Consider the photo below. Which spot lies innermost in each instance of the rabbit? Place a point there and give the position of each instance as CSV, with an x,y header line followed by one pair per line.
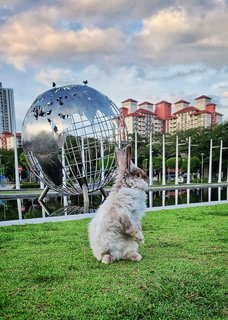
x,y
115,230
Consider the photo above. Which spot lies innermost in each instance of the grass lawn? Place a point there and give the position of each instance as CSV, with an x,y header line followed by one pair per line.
x,y
48,271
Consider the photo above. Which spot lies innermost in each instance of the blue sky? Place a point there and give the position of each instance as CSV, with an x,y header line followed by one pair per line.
x,y
146,50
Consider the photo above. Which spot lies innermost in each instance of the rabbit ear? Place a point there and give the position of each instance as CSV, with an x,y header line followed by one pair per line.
x,y
123,158
128,156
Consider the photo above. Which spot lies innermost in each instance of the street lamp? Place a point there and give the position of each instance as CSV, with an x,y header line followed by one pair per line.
x,y
163,161
202,154
190,145
136,149
177,159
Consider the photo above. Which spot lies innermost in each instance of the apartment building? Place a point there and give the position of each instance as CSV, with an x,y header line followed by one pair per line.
x,y
203,115
146,117
7,110
7,140
140,117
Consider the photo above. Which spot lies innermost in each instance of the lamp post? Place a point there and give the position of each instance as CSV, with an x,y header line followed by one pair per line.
x,y
151,161
220,162
177,159
210,163
151,169
177,169
210,168
163,161
190,145
189,160
202,154
136,149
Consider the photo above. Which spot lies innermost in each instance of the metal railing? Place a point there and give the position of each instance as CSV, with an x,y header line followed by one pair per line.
x,y
163,192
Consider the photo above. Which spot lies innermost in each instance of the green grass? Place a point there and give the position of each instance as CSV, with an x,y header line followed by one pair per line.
x,y
48,271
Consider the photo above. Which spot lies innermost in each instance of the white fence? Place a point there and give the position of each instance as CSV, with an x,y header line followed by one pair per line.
x,y
217,193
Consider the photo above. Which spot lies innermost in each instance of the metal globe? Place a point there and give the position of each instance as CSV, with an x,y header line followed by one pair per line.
x,y
69,136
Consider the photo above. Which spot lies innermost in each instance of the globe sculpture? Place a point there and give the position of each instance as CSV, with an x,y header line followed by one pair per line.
x,y
69,136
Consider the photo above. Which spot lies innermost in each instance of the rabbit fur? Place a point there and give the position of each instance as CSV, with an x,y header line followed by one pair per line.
x,y
115,231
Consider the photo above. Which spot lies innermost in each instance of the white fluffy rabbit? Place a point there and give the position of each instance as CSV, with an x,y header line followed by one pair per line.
x,y
115,231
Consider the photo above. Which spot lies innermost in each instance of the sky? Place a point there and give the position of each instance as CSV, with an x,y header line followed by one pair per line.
x,y
147,50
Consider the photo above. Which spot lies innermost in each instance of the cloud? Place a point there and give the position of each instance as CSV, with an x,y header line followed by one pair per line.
x,y
58,75
175,35
30,38
115,13
164,29
152,50
225,94
116,33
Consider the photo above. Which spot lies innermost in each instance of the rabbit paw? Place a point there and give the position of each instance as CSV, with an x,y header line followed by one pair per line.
x,y
139,237
132,256
107,259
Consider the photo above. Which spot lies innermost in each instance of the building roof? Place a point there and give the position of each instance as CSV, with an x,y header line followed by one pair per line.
x,y
211,104
140,113
163,101
182,101
146,102
129,100
206,111
202,97
172,117
10,134
187,109
203,111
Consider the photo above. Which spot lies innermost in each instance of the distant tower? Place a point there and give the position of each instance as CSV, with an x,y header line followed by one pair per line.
x,y
163,110
130,105
7,110
202,101
181,104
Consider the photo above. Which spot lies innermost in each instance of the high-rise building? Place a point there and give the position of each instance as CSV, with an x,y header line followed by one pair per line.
x,y
7,110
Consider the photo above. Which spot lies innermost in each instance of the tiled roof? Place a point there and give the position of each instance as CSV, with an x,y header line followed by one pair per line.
x,y
163,101
172,117
140,113
129,100
203,111
181,101
202,97
187,109
146,102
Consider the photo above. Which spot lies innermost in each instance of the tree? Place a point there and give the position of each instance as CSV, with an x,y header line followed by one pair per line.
x,y
157,164
171,162
7,163
22,161
195,164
